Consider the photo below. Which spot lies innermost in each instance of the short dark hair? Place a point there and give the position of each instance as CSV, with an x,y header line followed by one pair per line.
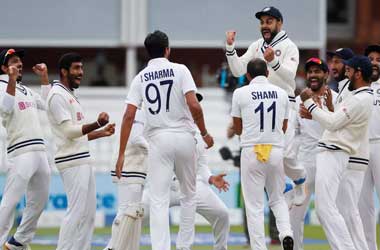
x,y
67,59
156,43
257,67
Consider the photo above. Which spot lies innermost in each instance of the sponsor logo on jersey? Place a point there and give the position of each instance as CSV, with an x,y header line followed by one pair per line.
x,y
25,105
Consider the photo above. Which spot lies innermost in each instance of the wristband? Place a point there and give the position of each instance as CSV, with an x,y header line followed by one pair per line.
x,y
99,126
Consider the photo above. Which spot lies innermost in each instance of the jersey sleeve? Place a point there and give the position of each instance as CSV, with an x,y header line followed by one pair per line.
x,y
238,65
187,82
235,109
337,119
134,96
59,109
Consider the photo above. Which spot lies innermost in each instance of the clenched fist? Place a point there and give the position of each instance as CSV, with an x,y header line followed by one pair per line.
x,y
230,37
103,119
109,129
269,54
13,72
42,71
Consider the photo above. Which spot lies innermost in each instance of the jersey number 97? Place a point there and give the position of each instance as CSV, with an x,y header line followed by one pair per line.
x,y
153,95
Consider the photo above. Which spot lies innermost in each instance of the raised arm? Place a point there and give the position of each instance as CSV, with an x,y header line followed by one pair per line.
x,y
238,65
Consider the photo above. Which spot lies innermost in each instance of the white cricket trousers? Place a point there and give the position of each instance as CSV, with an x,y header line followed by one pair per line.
x,y
127,194
27,173
78,224
255,176
293,170
347,203
168,152
297,213
366,202
331,166
210,206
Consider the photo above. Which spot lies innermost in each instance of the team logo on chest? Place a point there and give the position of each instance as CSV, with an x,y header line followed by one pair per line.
x,y
277,52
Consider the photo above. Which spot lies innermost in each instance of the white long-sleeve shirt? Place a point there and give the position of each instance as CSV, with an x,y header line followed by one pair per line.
x,y
309,132
20,117
348,124
283,68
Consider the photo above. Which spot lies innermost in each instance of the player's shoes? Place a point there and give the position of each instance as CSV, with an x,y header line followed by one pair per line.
x,y
12,244
288,243
299,194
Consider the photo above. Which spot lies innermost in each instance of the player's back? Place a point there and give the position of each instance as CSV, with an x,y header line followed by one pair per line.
x,y
263,107
162,87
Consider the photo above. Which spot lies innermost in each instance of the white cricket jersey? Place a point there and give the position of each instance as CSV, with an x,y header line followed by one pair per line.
x,y
348,124
309,132
21,119
63,106
283,68
162,86
262,107
374,124
360,159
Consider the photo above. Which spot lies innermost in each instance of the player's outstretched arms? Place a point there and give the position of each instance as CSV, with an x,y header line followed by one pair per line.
x,y
125,131
197,114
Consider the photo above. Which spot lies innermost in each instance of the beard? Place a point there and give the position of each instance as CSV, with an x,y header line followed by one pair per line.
x,y
341,76
375,73
351,85
315,88
273,33
72,84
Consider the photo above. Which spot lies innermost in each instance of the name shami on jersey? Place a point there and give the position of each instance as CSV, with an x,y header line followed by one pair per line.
x,y
264,95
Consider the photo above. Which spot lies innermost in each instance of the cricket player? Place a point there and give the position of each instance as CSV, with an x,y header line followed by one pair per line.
x,y
308,133
345,131
130,190
260,112
28,171
372,176
168,92
282,57
352,179
72,157
338,69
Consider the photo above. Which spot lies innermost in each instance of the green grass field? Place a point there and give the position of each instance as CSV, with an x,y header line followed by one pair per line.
x,y
312,232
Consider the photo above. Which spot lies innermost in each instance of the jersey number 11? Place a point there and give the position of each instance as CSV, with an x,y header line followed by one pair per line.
x,y
272,108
